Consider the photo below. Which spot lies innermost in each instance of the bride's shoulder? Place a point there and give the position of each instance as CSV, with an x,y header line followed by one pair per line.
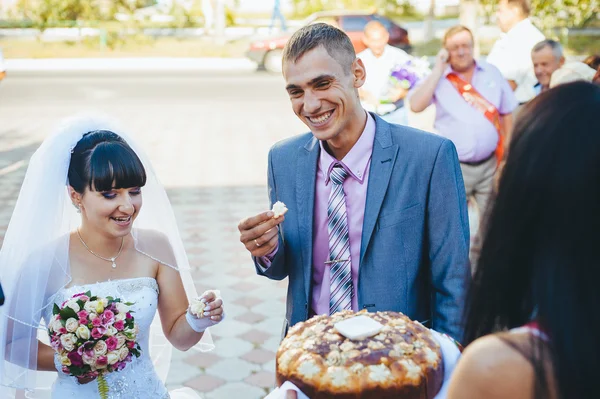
x,y
150,235
154,244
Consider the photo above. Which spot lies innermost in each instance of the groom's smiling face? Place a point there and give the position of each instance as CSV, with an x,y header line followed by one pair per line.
x,y
323,94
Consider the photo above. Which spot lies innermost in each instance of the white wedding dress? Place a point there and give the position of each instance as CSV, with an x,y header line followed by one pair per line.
x,y
138,379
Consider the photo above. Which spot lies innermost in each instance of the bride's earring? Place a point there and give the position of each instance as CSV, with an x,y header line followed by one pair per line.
x,y
78,207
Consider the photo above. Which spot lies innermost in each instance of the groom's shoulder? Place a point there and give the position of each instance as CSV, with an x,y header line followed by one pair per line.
x,y
417,139
291,145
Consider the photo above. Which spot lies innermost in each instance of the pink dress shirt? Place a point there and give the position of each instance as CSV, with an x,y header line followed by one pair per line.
x,y
357,163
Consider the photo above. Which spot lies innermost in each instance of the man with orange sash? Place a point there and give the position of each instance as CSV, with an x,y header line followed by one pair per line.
x,y
474,106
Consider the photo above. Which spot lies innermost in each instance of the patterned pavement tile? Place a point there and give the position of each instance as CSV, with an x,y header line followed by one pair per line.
x,y
250,317
255,336
233,347
232,369
262,379
237,390
202,360
258,356
205,383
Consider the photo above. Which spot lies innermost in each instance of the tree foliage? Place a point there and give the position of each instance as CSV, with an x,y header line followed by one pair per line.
x,y
394,7
549,15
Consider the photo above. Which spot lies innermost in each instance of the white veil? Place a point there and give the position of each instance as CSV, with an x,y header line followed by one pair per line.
x,y
34,261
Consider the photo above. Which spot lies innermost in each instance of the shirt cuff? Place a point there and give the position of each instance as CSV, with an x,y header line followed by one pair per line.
x,y
264,262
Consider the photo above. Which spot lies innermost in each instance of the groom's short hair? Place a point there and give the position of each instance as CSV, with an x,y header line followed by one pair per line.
x,y
337,44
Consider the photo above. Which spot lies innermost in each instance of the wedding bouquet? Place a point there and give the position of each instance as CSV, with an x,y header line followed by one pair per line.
x,y
93,336
407,75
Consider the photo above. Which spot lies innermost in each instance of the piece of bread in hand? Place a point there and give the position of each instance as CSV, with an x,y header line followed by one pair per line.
x,y
279,209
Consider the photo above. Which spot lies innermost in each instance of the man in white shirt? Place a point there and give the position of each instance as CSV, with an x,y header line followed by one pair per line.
x,y
379,59
511,54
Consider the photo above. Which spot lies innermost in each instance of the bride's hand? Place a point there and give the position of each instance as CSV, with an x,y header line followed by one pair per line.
x,y
214,306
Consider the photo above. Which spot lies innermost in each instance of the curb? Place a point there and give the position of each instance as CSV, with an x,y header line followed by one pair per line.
x,y
128,64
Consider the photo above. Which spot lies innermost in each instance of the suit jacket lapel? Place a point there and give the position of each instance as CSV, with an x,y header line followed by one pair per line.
x,y
306,175
383,159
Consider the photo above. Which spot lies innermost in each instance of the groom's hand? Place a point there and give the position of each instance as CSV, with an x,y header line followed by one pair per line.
x,y
260,233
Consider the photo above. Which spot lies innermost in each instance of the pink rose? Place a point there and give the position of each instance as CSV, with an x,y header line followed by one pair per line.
x,y
66,370
130,344
112,343
108,317
55,344
75,358
101,362
81,297
129,316
119,325
62,330
82,314
88,358
97,322
98,332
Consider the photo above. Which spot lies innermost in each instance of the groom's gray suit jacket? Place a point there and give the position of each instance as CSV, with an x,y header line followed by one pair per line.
x,y
415,237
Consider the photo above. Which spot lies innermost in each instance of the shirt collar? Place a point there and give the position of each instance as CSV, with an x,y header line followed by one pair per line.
x,y
357,159
478,66
520,29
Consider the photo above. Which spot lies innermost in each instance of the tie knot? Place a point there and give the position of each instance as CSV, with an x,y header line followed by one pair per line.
x,y
338,174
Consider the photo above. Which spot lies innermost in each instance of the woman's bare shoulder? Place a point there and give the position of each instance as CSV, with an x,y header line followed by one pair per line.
x,y
492,369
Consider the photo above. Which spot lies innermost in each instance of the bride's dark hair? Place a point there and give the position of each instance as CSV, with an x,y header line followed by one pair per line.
x,y
102,161
539,259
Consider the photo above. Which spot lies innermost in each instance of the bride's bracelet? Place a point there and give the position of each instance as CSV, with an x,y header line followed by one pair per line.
x,y
201,324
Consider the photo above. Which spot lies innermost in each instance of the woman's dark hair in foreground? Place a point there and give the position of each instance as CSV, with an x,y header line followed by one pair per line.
x,y
102,160
540,256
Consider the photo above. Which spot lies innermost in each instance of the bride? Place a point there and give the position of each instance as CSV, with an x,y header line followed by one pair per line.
x,y
72,231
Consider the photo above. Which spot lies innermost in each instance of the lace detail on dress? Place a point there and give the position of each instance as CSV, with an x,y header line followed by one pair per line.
x,y
138,379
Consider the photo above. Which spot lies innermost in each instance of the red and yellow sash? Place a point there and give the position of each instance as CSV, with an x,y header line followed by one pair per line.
x,y
477,101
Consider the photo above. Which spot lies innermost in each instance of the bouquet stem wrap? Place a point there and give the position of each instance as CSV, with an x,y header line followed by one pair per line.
x,y
102,387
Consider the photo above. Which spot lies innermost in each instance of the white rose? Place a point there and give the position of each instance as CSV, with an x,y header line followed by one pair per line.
x,y
83,332
65,361
89,360
123,353
100,348
92,316
122,308
121,339
52,323
71,324
73,305
110,331
68,341
197,308
104,302
90,306
56,325
120,316
113,357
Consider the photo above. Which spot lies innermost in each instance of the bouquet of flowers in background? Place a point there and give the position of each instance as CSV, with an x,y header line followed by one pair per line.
x,y
407,75
93,336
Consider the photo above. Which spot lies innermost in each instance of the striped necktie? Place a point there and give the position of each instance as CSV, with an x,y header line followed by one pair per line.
x,y
339,244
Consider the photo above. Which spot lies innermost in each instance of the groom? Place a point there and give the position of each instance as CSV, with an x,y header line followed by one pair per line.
x,y
377,214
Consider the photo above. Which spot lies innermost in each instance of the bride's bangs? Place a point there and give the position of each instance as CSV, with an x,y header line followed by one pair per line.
x,y
114,165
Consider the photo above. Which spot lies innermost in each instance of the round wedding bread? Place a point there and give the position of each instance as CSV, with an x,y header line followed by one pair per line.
x,y
402,360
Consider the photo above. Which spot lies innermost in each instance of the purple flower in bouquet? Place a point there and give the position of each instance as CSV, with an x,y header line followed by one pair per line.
x,y
407,75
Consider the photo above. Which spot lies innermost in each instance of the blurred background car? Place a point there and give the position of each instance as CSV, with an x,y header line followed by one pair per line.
x,y
267,52
2,67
